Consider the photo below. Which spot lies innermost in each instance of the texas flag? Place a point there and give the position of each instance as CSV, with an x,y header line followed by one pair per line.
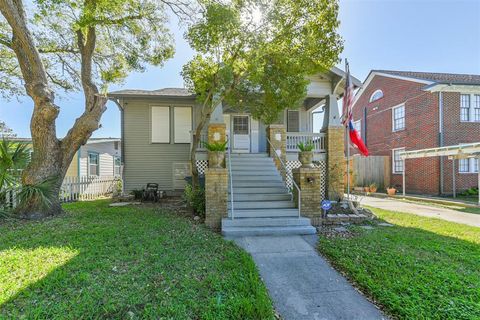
x,y
356,140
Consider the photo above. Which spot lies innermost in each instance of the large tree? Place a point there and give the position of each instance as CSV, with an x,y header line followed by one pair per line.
x,y
52,45
256,54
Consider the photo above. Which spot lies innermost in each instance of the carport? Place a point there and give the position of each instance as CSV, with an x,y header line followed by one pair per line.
x,y
463,151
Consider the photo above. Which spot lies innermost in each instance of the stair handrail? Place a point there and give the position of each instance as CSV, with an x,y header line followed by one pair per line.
x,y
289,174
230,178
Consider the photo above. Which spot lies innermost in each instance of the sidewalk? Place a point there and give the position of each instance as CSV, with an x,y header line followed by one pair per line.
x,y
470,219
302,284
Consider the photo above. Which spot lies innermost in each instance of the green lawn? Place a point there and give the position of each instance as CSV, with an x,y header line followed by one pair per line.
x,y
421,268
125,263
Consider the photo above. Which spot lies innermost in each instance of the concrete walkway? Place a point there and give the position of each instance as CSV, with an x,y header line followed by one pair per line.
x,y
302,284
470,219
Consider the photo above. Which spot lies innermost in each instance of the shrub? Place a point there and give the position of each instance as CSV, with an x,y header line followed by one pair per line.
x,y
470,192
195,198
307,146
215,146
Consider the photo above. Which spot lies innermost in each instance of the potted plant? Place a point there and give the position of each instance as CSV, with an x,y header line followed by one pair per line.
x,y
373,187
391,191
216,153
305,156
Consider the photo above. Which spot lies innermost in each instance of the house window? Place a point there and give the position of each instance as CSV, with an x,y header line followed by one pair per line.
x,y
115,145
468,165
357,125
398,118
160,124
93,164
293,121
464,107
240,125
378,94
476,108
397,163
182,124
117,163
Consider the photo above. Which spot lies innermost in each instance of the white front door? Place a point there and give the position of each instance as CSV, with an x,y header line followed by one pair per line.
x,y
241,133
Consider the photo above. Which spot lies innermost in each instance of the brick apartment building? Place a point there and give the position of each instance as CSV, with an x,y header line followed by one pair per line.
x,y
398,110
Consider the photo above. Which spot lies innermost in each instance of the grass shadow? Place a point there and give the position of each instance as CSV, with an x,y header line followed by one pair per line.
x,y
129,262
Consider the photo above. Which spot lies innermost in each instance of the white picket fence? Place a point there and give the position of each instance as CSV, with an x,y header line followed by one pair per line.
x,y
77,189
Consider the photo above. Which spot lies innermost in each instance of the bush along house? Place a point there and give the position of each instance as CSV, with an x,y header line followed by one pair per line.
x,y
261,188
402,110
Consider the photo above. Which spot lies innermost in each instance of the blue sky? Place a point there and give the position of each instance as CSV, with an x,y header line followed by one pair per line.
x,y
413,35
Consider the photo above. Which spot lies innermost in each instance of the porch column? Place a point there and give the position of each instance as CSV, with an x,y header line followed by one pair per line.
x,y
335,149
277,135
216,127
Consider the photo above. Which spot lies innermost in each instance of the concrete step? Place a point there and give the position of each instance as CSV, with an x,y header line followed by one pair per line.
x,y
261,197
261,204
255,173
256,184
264,213
251,160
248,155
265,222
257,190
264,231
253,168
272,177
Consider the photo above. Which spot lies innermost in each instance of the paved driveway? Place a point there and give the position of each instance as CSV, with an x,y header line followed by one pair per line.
x,y
470,219
302,284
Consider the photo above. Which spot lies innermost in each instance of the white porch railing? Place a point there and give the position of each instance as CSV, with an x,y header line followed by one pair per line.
x,y
318,140
203,138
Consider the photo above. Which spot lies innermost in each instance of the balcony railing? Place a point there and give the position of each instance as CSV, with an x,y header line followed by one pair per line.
x,y
318,140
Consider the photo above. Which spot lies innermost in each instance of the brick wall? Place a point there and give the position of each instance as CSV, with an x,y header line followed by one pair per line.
x,y
457,132
421,122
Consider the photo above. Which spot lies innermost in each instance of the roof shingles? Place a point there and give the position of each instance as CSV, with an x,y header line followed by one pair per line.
x,y
448,78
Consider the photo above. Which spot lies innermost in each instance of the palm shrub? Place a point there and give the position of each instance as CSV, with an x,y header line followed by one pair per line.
x,y
14,157
305,146
216,146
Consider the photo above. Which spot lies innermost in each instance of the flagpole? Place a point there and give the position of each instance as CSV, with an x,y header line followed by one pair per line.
x,y
348,144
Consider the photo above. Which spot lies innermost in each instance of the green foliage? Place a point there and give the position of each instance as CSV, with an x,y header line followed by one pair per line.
x,y
215,146
470,192
257,54
142,262
307,146
14,157
129,35
37,195
421,268
195,198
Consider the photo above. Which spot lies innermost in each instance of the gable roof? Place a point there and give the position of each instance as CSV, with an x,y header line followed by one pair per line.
x,y
164,92
448,78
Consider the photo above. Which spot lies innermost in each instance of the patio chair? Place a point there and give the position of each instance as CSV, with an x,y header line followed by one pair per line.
x,y
151,193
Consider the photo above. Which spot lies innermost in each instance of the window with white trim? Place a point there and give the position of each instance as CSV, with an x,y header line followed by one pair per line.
x,y
469,165
398,118
464,107
378,94
117,163
93,164
397,162
476,108
357,125
160,117
182,124
293,121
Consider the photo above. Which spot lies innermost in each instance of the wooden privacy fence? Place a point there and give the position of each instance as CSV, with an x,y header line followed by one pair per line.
x,y
76,189
371,169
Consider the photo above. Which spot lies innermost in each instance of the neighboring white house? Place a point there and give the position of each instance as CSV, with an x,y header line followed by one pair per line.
x,y
98,157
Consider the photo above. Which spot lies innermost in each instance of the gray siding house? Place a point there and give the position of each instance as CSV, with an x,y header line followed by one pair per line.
x,y
157,127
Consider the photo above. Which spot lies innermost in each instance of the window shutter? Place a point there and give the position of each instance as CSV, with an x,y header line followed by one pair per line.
x,y
293,121
160,124
183,124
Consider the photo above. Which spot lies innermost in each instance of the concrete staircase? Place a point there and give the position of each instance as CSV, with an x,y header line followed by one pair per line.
x,y
262,204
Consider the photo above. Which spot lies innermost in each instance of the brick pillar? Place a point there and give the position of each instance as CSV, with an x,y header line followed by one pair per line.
x,y
217,132
335,162
277,135
216,197
335,149
309,180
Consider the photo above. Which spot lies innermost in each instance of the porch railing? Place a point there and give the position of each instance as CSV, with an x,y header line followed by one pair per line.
x,y
318,140
203,137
